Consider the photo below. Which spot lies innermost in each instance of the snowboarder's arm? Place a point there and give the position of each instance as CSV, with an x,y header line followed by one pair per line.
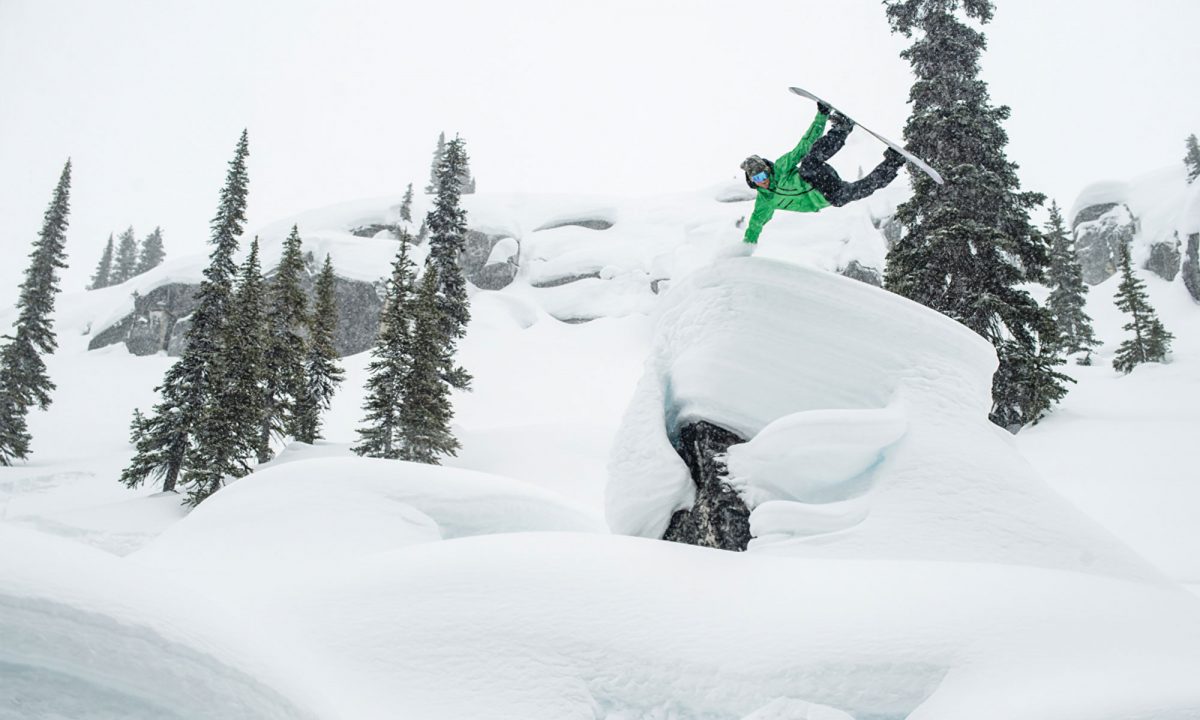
x,y
815,131
763,211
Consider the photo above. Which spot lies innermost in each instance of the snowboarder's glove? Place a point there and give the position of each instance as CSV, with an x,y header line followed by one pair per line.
x,y
823,109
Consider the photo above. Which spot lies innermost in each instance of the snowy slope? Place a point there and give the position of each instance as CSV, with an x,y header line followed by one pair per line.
x,y
1120,447
910,560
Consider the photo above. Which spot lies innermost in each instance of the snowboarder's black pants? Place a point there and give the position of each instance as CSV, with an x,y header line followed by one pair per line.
x,y
815,170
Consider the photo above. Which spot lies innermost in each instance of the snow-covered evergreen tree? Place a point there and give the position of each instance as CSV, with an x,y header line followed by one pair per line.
x,y
101,278
125,263
14,429
406,205
227,436
1150,342
379,435
425,409
1192,159
24,381
286,319
152,253
438,152
165,439
1068,296
968,246
322,372
447,243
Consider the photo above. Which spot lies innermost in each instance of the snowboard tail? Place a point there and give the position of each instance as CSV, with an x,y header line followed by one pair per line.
x,y
916,161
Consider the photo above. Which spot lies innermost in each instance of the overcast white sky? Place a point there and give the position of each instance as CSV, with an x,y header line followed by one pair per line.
x,y
344,99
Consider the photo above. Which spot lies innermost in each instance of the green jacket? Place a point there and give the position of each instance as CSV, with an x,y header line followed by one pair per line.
x,y
787,190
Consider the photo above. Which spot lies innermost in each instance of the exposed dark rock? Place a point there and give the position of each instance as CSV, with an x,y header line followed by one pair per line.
x,y
1191,267
1164,259
159,319
484,275
892,231
735,194
857,271
495,276
589,223
656,284
1091,213
564,280
370,231
112,334
358,306
719,518
178,339
152,324
1098,241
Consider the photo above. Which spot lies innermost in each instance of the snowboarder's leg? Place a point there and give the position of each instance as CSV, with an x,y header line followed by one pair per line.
x,y
839,192
833,140
824,178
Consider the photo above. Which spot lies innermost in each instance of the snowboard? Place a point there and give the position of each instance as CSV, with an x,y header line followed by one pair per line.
x,y
918,162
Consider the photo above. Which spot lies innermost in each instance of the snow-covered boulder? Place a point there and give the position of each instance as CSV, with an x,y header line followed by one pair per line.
x,y
1100,233
478,264
1152,214
158,321
866,420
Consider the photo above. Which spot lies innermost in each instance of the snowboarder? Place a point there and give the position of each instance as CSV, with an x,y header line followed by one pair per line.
x,y
803,181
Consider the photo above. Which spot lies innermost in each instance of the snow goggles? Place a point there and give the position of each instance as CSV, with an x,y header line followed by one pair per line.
x,y
760,177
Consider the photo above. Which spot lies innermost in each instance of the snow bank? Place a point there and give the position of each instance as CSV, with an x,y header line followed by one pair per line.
x,y
867,420
592,626
86,635
287,521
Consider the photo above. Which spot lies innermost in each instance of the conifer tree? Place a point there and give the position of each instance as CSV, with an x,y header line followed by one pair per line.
x,y
152,252
968,246
101,279
447,243
165,440
406,205
1068,296
1150,342
24,381
14,429
425,409
1192,159
286,319
322,372
438,152
390,361
125,264
227,435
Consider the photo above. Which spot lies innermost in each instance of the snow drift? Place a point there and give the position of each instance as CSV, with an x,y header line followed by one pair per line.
x,y
867,420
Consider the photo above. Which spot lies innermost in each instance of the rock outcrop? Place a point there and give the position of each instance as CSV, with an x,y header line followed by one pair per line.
x,y
1164,259
1191,266
857,271
159,321
719,518
1100,232
487,269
